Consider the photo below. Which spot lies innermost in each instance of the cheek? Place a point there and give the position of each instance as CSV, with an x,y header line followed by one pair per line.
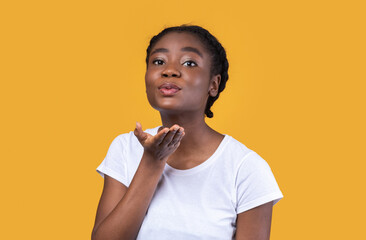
x,y
201,84
150,87
149,82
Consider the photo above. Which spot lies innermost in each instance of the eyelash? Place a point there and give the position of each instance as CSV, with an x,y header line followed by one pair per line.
x,y
189,61
157,60
161,62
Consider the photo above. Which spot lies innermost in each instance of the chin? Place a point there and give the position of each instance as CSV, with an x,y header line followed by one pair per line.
x,y
161,104
166,108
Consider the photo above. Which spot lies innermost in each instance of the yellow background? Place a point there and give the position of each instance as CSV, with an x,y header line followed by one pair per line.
x,y
72,79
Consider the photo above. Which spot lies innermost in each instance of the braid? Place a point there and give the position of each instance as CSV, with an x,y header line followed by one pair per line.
x,y
220,66
219,62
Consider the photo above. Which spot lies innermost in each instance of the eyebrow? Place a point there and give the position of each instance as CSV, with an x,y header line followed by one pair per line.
x,y
192,49
185,49
159,50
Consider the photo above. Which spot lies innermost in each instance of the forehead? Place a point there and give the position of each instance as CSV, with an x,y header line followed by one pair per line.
x,y
177,40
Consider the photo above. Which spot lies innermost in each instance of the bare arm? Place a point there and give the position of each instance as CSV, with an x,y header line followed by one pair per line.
x,y
255,224
121,210
113,192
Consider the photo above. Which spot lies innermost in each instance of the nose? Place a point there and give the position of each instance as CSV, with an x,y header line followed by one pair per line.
x,y
171,71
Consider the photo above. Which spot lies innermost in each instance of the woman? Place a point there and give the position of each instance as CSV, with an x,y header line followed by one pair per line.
x,y
184,180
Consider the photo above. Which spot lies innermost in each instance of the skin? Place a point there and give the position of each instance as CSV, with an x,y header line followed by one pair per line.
x,y
191,72
184,141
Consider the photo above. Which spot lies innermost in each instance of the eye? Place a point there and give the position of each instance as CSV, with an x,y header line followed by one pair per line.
x,y
158,62
189,63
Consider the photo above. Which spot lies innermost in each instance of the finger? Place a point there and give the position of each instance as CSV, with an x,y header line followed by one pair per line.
x,y
176,145
137,130
159,137
141,135
180,139
168,138
177,137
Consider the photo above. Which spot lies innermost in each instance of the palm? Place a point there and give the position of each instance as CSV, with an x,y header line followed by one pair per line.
x,y
163,144
147,140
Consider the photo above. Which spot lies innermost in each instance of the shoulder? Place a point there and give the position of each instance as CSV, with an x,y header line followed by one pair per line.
x,y
254,181
235,151
241,158
233,144
123,157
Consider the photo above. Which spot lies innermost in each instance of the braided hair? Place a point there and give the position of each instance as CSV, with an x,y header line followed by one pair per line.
x,y
219,62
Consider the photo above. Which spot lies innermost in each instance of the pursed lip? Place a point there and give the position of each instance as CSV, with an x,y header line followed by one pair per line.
x,y
169,89
169,86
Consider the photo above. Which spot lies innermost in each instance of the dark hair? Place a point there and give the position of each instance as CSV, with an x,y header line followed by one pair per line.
x,y
219,63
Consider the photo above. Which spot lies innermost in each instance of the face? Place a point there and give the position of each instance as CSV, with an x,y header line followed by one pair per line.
x,y
178,75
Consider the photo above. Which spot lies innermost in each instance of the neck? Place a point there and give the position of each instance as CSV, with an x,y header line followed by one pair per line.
x,y
198,144
193,125
197,132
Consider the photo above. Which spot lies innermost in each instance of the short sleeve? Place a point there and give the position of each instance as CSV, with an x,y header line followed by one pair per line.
x,y
255,183
114,164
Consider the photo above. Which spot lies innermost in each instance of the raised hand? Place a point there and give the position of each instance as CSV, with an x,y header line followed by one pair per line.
x,y
163,144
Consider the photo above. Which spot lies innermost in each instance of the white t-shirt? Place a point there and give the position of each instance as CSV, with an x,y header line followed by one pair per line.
x,y
201,202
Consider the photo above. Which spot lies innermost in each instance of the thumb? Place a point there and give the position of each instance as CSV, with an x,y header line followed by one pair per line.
x,y
141,135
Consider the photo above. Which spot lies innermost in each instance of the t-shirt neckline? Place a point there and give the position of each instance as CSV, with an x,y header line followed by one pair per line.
x,y
169,169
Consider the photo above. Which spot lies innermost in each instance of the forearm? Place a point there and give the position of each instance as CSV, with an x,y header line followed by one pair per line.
x,y
125,220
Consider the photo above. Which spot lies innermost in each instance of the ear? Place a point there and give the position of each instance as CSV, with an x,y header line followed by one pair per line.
x,y
214,85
